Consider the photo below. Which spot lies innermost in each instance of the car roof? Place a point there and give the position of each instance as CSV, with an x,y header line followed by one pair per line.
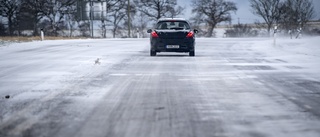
x,y
169,19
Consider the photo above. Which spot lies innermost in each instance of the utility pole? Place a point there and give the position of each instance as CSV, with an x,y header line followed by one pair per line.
x,y
129,22
91,17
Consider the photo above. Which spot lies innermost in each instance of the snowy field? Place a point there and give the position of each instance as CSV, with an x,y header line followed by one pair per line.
x,y
112,87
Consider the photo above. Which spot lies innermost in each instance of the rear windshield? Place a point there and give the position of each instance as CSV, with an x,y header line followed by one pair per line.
x,y
177,25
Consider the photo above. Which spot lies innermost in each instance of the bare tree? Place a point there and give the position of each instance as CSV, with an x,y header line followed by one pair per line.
x,y
10,9
33,12
174,12
110,6
84,28
305,11
213,12
55,11
131,12
156,9
71,18
117,13
197,22
268,10
141,24
296,13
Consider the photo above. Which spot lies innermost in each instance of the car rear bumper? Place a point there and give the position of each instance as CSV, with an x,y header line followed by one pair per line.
x,y
160,45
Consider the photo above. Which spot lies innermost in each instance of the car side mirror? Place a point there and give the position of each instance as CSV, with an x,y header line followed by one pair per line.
x,y
149,31
195,31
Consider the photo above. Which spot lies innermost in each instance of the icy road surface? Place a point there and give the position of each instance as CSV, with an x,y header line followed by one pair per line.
x,y
113,88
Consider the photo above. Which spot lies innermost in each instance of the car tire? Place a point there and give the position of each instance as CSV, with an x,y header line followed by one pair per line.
x,y
153,53
191,53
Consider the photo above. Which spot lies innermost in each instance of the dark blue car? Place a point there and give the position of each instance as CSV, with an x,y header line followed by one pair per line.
x,y
172,35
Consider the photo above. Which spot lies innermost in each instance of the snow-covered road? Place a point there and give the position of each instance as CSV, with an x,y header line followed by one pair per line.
x,y
113,88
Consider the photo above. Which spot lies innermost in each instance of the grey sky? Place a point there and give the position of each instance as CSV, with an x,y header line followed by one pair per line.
x,y
244,13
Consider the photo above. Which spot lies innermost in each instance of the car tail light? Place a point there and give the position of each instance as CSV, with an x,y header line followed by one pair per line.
x,y
154,34
190,34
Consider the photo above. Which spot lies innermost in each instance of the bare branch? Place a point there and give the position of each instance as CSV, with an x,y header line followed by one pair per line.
x,y
213,12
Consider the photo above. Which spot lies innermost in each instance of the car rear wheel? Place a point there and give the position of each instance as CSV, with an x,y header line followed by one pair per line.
x,y
153,53
191,53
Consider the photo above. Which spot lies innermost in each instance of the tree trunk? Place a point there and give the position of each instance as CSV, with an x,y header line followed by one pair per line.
x,y
269,29
114,33
70,29
210,31
104,29
10,25
35,29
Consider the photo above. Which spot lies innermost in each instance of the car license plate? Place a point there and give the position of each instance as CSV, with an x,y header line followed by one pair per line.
x,y
172,46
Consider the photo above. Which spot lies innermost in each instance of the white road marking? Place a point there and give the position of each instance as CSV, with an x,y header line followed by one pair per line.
x,y
118,74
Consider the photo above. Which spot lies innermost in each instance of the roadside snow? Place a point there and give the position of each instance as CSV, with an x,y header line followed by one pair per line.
x,y
43,71
5,43
49,65
303,52
42,65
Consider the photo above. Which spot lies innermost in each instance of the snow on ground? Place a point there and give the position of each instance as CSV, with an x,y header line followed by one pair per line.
x,y
43,70
42,65
47,65
5,43
303,52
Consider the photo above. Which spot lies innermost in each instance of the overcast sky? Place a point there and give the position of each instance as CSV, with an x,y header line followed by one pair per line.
x,y
243,14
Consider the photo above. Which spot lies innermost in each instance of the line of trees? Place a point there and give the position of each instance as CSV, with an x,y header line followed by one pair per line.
x,y
34,14
56,15
287,14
